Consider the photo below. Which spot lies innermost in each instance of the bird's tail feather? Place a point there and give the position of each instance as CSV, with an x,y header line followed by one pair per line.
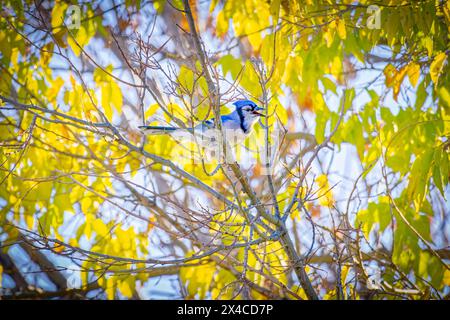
x,y
157,129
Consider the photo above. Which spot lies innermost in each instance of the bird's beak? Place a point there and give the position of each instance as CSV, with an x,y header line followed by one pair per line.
x,y
256,111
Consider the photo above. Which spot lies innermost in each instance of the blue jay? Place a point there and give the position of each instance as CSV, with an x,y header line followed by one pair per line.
x,y
238,123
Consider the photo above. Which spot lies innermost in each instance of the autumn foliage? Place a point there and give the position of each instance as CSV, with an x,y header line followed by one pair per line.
x,y
351,203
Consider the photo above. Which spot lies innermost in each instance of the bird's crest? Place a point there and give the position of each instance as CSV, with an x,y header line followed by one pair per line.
x,y
241,103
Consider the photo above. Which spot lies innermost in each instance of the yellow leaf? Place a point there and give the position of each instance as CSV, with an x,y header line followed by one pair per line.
x,y
126,287
324,194
428,43
58,247
322,180
389,73
110,91
398,81
328,35
282,115
299,291
100,228
198,279
175,110
253,37
394,78
53,91
436,66
86,205
76,194
151,110
446,280
29,219
342,33
413,71
74,242
106,101
116,96
59,38
77,40
275,8
335,70
444,96
222,24
58,14
295,214
1,274
344,273
110,288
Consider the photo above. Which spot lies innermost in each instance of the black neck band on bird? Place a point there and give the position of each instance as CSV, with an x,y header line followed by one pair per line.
x,y
241,119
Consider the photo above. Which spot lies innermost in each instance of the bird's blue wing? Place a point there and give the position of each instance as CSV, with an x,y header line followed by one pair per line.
x,y
228,122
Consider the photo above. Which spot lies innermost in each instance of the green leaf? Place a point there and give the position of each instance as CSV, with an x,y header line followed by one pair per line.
x,y
186,78
444,96
321,123
329,84
445,168
437,177
421,95
418,178
230,65
406,249
376,213
349,96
